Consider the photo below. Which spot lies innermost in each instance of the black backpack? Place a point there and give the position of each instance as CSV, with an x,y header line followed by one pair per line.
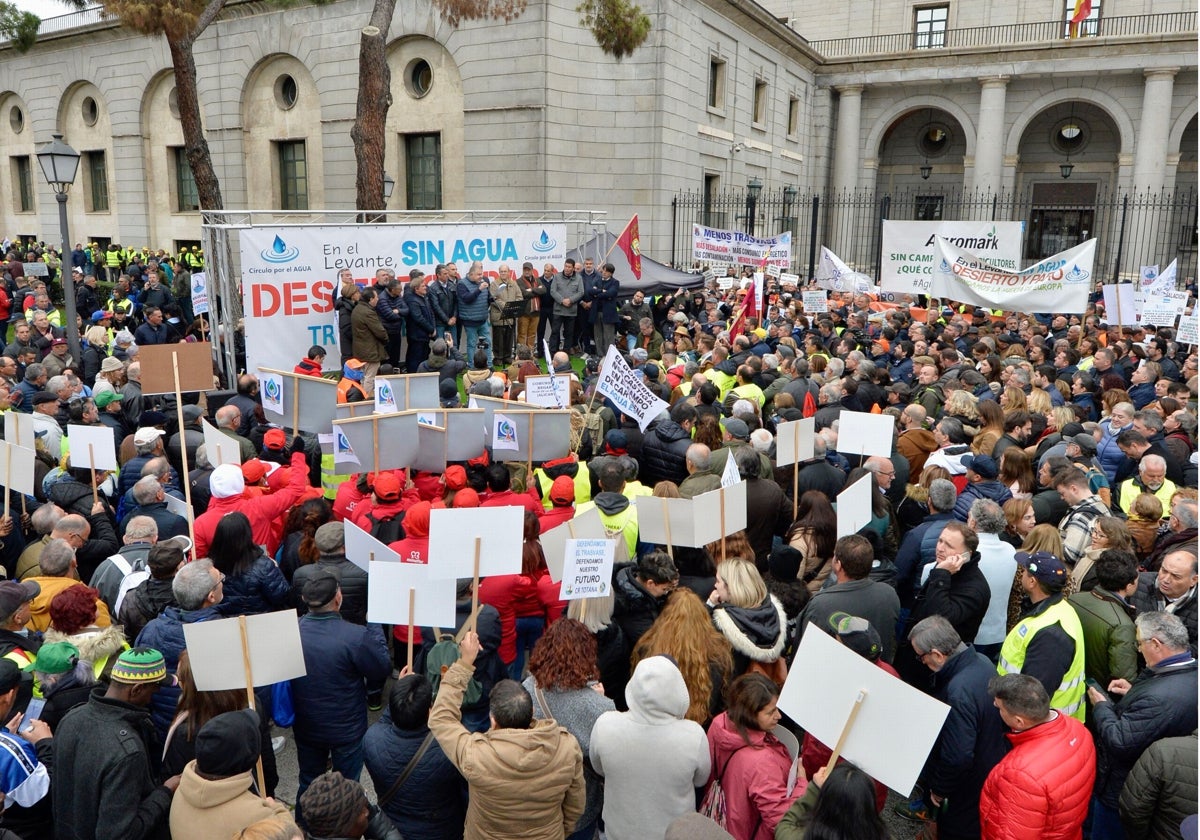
x,y
388,530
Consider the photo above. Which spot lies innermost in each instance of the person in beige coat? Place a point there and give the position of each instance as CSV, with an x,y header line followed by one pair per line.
x,y
525,776
215,800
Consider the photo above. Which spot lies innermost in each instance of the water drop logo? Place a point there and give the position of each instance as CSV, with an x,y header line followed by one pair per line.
x,y
545,243
1076,275
385,394
506,432
272,391
280,252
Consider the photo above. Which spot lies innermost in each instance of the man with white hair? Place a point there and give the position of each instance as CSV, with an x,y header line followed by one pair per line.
x,y
701,479
141,533
997,561
150,502
1151,478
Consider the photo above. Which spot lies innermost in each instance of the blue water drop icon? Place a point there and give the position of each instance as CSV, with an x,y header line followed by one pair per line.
x,y
279,246
544,239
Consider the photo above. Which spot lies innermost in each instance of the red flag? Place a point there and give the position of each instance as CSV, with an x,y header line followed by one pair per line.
x,y
810,405
1083,10
630,244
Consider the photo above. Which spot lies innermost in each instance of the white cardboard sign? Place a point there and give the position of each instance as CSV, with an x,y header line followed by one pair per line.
x,y
362,549
548,391
385,397
177,506
854,507
452,535
586,525
794,441
16,468
18,429
92,447
821,688
863,433
387,595
214,648
221,448
587,570
1120,305
815,301
1189,330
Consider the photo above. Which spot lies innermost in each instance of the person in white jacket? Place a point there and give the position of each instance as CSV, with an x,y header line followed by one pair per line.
x,y
651,758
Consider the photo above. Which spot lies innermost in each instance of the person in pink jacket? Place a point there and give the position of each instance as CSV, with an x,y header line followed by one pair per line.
x,y
750,762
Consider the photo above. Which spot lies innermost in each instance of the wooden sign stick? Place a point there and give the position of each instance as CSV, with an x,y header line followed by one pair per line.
x,y
529,459
795,471
375,443
723,525
412,606
262,784
667,525
295,407
841,741
7,480
475,583
187,485
92,464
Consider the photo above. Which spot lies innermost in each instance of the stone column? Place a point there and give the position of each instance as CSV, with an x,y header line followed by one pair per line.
x,y
847,164
989,135
1150,153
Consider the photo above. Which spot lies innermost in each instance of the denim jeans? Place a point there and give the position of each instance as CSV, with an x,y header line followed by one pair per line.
x,y
529,630
312,760
1106,823
474,332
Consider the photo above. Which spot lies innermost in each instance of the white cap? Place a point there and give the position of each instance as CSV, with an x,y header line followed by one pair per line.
x,y
145,435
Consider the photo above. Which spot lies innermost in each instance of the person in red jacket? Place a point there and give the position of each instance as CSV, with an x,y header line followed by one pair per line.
x,y
562,497
227,484
414,547
1041,789
350,493
312,364
515,597
500,492
392,495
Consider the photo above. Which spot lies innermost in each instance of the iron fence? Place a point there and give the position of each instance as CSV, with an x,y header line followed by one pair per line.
x,y
1131,229
1001,36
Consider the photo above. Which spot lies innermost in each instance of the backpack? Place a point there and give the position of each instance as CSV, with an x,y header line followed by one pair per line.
x,y
776,670
444,654
592,440
387,531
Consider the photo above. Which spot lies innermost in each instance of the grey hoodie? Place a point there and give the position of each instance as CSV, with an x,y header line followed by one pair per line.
x,y
652,759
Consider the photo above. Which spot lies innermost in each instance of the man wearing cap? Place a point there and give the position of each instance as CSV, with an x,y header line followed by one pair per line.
x,y
971,741
737,435
982,483
59,360
108,403
330,541
47,433
148,444
227,485
1048,641
112,376
342,662
111,791
215,797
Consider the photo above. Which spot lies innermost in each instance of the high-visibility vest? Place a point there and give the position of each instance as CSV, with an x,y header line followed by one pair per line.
x,y
624,523
582,481
330,478
723,381
112,259
1068,697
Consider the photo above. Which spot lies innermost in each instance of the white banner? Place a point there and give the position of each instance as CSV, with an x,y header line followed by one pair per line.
x,y
910,255
1159,282
199,285
712,245
836,276
290,275
1162,308
1189,330
1060,283
627,390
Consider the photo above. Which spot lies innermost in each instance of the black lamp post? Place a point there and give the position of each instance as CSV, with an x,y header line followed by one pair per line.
x,y
60,163
753,188
389,184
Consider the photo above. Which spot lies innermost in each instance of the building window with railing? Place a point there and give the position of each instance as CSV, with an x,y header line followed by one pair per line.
x,y
1082,18
293,175
929,27
423,170
22,175
95,168
187,197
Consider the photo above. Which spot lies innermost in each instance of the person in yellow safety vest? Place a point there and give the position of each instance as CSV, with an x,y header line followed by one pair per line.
x,y
569,466
112,262
1152,479
745,389
617,512
14,644
722,373
1048,642
195,259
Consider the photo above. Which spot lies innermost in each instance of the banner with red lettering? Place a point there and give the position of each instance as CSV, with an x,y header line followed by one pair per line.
x,y
290,273
1060,283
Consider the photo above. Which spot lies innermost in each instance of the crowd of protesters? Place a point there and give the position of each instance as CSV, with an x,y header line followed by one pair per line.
x,y
1030,561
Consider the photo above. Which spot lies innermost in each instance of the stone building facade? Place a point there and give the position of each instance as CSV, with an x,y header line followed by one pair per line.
x,y
961,96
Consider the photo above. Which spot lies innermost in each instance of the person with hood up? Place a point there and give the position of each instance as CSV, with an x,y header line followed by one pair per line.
x,y
750,763
350,388
651,757
747,615
525,776
414,546
214,798
617,513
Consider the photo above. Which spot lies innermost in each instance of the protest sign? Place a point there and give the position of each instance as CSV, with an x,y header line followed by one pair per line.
x,y
381,441
910,254
773,270
1148,274
713,246
416,390
362,549
627,390
343,451
504,434
193,359
18,429
854,507
221,448
274,651
475,541
1161,309
794,441
827,680
1120,305
431,448
836,276
16,470
1060,283
344,411
304,403
587,570
730,475
586,525
385,397
548,391
199,283
92,447
531,434
666,522
720,512
863,433
36,269
388,588
786,279
177,506
815,301
1163,281
1189,330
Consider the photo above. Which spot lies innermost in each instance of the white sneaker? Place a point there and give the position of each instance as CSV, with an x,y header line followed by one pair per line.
x,y
278,742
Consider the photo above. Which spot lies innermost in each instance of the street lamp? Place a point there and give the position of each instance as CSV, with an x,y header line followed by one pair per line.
x,y
60,163
753,188
389,184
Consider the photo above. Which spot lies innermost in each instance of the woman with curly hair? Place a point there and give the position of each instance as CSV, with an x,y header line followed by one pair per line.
x,y
684,631
299,532
813,534
563,682
1012,399
963,406
73,619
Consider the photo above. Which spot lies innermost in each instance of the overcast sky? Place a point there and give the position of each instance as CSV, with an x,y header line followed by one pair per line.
x,y
44,8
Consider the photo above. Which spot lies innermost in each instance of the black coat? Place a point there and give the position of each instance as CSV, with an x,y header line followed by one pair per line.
x,y
261,589
422,324
634,609
961,598
664,453
431,805
75,497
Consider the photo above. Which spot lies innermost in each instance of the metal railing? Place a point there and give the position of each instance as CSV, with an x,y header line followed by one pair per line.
x,y
1132,229
1008,35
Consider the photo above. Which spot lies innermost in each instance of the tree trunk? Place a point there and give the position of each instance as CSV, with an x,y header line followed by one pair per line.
x,y
196,146
374,100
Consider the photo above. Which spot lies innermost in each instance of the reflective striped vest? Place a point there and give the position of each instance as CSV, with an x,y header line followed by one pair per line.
x,y
1068,697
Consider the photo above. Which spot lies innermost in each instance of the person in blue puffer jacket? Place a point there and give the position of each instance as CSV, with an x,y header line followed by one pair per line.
x,y
474,296
253,583
1110,456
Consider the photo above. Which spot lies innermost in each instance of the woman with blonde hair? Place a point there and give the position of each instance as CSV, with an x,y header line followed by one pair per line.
x,y
1021,520
1042,538
962,405
748,616
685,632
1012,399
